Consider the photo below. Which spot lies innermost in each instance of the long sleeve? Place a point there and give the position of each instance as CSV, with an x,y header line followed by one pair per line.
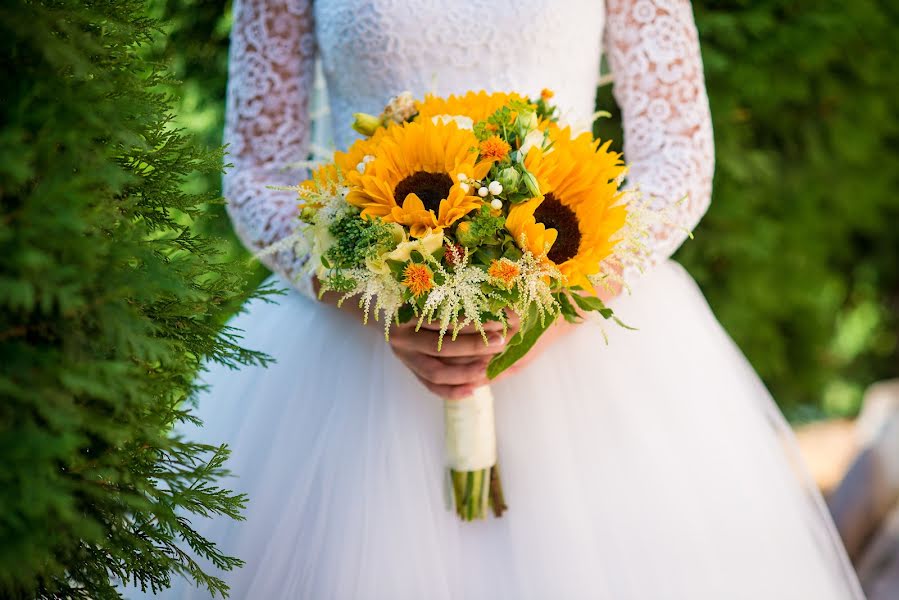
x,y
267,125
653,50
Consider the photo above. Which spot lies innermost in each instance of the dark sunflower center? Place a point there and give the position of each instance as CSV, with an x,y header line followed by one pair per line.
x,y
556,215
430,187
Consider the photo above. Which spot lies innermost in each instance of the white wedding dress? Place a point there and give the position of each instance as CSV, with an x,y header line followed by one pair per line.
x,y
654,467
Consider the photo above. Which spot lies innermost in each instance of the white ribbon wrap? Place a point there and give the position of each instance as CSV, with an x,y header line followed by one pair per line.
x,y
470,431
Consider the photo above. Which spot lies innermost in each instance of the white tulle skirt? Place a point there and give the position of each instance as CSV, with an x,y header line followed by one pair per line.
x,y
654,467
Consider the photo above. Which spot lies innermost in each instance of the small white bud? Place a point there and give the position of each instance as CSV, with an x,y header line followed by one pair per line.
x,y
465,187
483,192
496,204
495,188
462,177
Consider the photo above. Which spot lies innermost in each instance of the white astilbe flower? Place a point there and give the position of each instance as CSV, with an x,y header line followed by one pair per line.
x,y
632,253
535,282
327,203
459,300
383,289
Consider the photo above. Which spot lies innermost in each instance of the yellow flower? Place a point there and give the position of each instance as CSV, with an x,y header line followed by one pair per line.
x,y
527,232
348,162
418,278
546,94
504,270
461,121
323,179
476,105
344,168
580,205
428,244
412,179
494,149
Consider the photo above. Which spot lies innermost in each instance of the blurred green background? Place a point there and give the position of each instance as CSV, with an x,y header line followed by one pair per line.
x,y
799,253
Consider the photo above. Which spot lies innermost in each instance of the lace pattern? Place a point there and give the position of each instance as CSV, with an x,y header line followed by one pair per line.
x,y
370,49
653,49
270,78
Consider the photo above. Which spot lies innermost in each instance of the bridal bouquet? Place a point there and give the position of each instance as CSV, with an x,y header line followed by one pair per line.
x,y
457,211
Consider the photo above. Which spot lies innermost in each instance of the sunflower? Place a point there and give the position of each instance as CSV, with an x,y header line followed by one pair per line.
x,y
356,154
326,178
413,179
475,105
534,236
579,210
323,179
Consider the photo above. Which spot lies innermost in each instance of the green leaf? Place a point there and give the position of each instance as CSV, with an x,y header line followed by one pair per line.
x,y
520,343
396,267
405,314
592,303
568,311
621,323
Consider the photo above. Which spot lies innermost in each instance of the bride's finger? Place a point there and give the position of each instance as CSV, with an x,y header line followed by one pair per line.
x,y
449,392
470,328
425,342
440,373
461,360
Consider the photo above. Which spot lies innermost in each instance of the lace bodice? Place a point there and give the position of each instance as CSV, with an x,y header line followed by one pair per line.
x,y
372,49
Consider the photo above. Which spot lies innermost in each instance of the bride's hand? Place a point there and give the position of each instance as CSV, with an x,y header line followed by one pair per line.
x,y
460,365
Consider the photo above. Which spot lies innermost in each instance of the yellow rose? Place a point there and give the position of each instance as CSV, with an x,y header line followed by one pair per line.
x,y
377,264
428,244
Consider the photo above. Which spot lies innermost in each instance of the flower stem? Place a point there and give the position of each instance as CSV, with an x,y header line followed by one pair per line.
x,y
475,492
497,500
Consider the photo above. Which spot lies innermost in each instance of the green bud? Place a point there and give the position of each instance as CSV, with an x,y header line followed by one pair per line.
x,y
509,178
307,214
464,235
526,122
530,182
366,124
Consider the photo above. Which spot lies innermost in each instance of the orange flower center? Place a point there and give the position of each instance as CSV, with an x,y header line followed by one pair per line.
x,y
504,270
494,148
553,214
418,278
431,188
546,93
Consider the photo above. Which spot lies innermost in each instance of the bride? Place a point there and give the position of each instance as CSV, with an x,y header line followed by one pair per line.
x,y
654,466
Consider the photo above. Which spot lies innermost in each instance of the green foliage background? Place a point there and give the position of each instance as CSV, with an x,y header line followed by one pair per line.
x,y
110,297
799,253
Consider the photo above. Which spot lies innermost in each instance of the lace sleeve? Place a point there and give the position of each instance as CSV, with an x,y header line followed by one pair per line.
x,y
270,79
653,50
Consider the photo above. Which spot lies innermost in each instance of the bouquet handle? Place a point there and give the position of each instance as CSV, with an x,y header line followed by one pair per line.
x,y
471,455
